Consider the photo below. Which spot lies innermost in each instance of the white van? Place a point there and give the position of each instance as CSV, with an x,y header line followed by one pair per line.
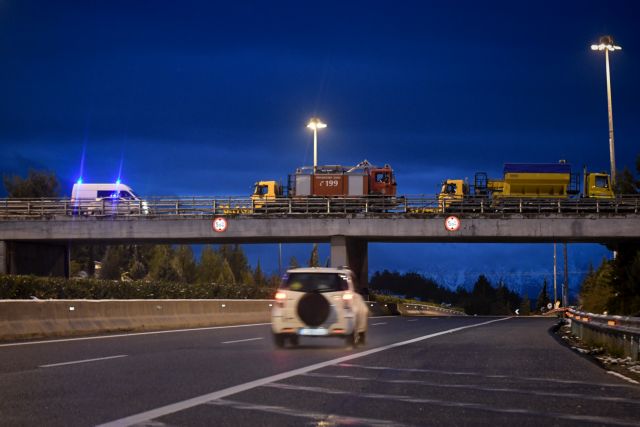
x,y
106,199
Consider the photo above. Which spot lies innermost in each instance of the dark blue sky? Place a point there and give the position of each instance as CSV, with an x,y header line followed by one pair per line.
x,y
206,97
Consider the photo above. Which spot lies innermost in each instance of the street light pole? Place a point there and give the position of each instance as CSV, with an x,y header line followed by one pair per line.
x,y
315,124
606,44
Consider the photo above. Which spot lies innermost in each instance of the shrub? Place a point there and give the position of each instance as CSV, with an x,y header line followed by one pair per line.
x,y
26,287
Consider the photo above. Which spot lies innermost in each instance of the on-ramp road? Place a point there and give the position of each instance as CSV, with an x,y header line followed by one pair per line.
x,y
412,371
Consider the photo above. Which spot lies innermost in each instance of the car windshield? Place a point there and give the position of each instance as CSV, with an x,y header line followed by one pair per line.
x,y
315,282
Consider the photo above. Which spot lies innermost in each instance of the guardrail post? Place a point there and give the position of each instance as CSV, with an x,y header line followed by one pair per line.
x,y
481,206
177,207
559,208
328,206
520,205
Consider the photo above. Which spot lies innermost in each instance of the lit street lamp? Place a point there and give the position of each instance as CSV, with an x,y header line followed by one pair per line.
x,y
315,124
606,44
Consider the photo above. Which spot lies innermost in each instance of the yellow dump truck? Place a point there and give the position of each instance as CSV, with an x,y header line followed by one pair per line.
x,y
526,181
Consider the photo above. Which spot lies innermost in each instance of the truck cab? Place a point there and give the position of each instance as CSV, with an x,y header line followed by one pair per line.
x,y
598,186
452,191
382,181
265,191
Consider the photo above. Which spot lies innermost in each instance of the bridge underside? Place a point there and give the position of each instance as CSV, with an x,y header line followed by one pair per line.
x,y
40,246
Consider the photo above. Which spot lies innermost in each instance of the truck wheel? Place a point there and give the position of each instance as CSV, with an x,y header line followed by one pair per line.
x,y
278,340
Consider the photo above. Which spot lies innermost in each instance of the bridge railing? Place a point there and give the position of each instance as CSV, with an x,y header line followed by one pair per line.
x,y
621,333
413,205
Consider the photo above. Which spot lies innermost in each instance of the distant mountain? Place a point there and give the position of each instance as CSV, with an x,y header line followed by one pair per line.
x,y
521,281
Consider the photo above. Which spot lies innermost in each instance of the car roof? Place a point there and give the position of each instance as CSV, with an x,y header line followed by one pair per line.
x,y
322,270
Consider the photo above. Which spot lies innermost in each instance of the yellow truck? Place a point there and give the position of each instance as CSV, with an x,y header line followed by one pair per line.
x,y
526,181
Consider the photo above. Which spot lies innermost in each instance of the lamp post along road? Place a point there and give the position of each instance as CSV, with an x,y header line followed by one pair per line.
x,y
315,124
606,44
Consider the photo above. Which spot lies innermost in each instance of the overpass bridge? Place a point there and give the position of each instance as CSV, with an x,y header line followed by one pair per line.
x,y
35,235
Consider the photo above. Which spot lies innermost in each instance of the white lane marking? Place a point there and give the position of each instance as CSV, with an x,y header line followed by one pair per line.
x,y
75,362
133,334
245,340
412,320
379,323
481,388
322,418
474,374
632,381
199,400
453,404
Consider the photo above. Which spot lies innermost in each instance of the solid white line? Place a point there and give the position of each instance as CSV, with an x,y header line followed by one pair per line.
x,y
133,334
248,339
199,400
380,323
75,362
632,381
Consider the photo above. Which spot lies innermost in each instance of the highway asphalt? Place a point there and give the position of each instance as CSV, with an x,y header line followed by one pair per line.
x,y
412,371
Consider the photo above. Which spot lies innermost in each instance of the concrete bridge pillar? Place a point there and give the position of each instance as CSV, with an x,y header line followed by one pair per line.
x,y
3,257
351,252
40,259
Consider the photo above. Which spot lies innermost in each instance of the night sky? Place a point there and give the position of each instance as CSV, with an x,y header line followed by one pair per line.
x,y
204,98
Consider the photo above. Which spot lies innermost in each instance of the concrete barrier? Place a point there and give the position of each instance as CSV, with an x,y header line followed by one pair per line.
x,y
426,310
23,319
381,309
26,319
402,309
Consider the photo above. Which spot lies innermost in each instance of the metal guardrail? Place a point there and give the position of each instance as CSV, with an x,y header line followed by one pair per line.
x,y
419,206
617,332
625,323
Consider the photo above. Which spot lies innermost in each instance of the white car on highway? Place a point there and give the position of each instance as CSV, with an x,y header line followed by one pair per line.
x,y
319,302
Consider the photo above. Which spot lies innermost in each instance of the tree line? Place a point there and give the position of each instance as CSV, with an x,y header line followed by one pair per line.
x,y
483,299
226,264
614,287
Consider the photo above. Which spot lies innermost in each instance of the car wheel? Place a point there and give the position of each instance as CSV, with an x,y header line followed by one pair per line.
x,y
294,340
278,340
353,339
363,338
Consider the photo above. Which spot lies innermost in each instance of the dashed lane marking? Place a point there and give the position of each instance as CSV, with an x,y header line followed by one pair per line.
x,y
75,362
245,340
135,334
596,397
454,404
205,398
475,374
321,418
